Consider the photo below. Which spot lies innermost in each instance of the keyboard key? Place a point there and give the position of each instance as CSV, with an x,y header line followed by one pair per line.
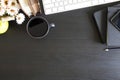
x,y
61,8
49,6
47,1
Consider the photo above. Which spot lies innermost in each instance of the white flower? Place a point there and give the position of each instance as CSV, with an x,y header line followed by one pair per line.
x,y
12,11
2,11
13,3
4,3
20,18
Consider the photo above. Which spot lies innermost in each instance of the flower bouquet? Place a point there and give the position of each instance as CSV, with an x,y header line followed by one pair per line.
x,y
10,10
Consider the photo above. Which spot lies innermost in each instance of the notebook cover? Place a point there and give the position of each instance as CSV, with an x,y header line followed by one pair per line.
x,y
101,22
113,34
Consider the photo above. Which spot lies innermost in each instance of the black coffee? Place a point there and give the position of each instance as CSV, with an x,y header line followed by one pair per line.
x,y
37,27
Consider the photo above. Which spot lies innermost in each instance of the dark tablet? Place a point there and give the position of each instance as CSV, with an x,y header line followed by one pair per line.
x,y
115,20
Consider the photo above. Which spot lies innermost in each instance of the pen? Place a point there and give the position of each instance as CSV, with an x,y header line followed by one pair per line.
x,y
108,49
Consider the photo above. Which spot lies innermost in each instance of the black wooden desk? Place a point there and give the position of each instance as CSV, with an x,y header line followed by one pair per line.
x,y
71,51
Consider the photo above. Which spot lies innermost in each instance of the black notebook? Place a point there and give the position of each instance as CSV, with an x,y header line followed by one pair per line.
x,y
101,22
113,34
108,32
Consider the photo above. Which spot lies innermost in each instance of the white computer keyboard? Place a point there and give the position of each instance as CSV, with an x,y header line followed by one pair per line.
x,y
56,6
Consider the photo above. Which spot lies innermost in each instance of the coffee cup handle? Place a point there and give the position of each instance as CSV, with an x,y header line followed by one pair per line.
x,y
52,25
